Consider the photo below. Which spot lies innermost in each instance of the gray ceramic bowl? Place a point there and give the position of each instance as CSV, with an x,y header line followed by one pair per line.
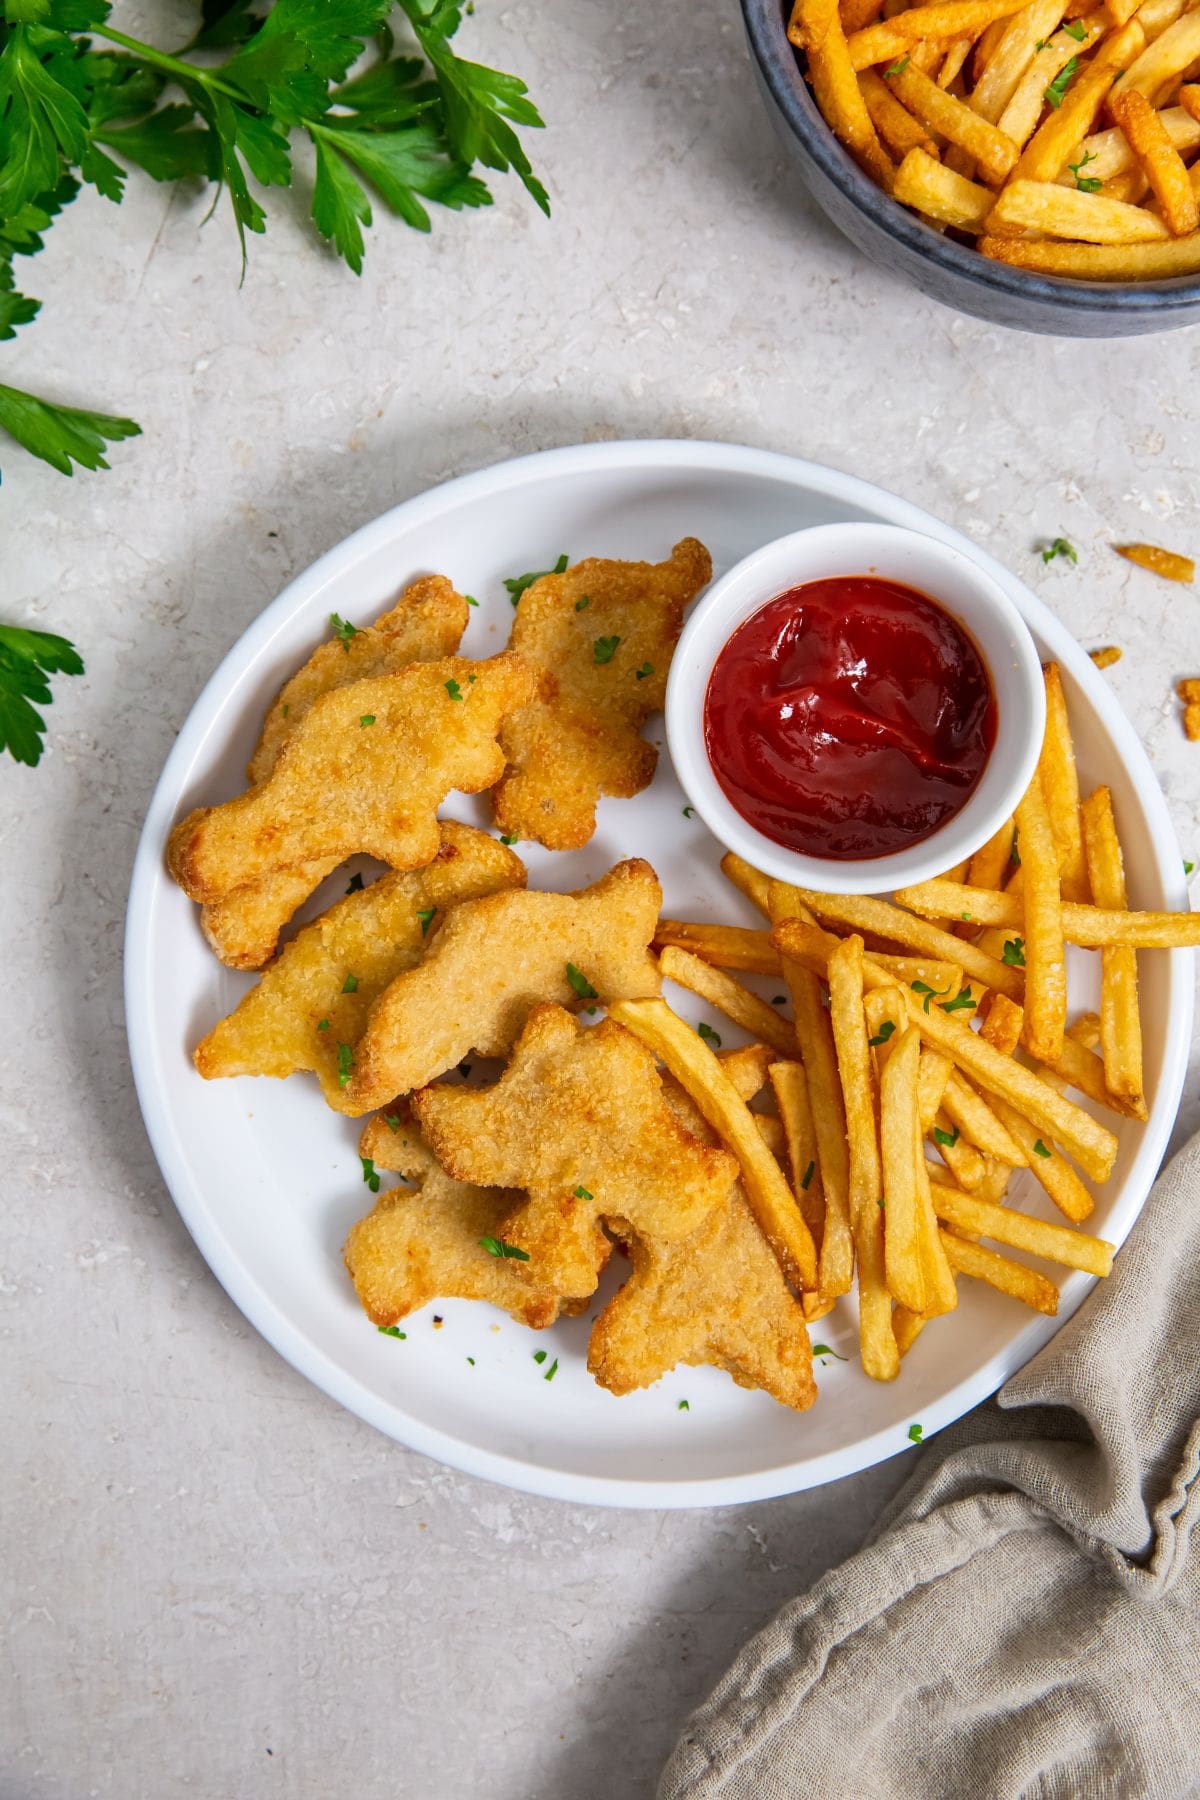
x,y
953,273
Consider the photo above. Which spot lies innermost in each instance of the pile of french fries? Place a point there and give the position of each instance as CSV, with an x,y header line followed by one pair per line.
x,y
1058,133
928,1059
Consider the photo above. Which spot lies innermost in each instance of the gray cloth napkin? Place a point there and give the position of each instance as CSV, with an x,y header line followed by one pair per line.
x,y
1025,1620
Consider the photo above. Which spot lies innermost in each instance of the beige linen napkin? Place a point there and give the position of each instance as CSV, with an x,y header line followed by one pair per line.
x,y
1025,1620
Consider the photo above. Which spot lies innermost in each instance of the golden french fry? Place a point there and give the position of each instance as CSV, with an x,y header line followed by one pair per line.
x,y
1046,153
963,1159
1092,927
701,1076
1078,1068
1067,213
954,19
747,1068
1189,102
908,1327
1166,57
894,123
1006,1226
974,1118
936,1070
1000,1272
956,55
854,14
724,946
790,1083
1120,1017
1023,36
994,1185
989,865
1045,953
816,29
1159,562
928,186
884,920
985,47
992,149
1001,1024
770,1130
1047,1162
735,1001
1108,153
1027,103
1161,162
1099,262
1060,786
901,1232
747,880
941,1292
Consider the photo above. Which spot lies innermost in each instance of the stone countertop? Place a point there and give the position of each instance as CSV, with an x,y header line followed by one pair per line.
x,y
215,1582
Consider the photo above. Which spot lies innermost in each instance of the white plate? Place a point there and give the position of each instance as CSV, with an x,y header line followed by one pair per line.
x,y
268,1180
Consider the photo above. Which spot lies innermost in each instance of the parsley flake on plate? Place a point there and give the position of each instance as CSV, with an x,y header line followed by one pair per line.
x,y
916,1433
510,841
393,1121
343,629
947,1139
1087,184
497,1247
345,1064
539,1356
963,1001
350,985
682,1406
1060,546
470,600
517,584
1014,952
883,1034
604,649
1077,30
897,68
369,1173
689,812
1055,94
391,1331
1040,1149
453,689
552,1371
710,1037
827,1350
580,983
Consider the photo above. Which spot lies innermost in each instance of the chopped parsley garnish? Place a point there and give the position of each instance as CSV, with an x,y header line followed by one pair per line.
x,y
963,1001
682,1406
367,719
322,1024
1014,952
1188,867
708,1035
1054,96
1039,1149
1087,184
916,1433
923,987
897,68
510,841
552,1371
604,649
1039,46
497,1247
1060,546
827,1350
286,710
582,1193
345,1064
426,915
392,1331
966,917
344,630
471,1360
350,985
808,1174
470,600
581,984
539,1356
883,1034
453,689
393,1121
516,584
369,1174
582,605
1077,30
646,669
355,887
689,812
1014,855
947,1139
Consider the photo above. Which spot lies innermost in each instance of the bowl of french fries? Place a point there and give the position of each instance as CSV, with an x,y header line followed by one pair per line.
x,y
1036,165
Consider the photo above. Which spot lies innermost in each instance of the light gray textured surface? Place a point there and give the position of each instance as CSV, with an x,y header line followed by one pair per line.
x,y
203,1559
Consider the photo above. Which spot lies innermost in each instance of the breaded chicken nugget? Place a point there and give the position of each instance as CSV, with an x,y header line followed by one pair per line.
x,y
365,771
426,623
439,1241
602,634
491,963
309,1008
578,1120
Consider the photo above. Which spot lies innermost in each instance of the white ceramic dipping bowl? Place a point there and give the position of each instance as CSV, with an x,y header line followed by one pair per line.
x,y
965,591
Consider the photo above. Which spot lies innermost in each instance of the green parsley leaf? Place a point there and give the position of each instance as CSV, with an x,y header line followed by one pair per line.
x,y
689,812
453,689
1039,46
470,600
322,1024
61,435
604,649
1188,867
355,885
897,68
808,1174
1087,184
947,1139
1077,30
1060,546
1054,96
883,1034
539,1356
393,1121
471,1360
646,669
343,629
1014,855
709,1036
1014,952
517,584
582,605
682,1406
552,1371
923,987
916,1433
963,1001
350,985
27,660
582,1193
368,1173
426,916
1040,1149
345,1064
497,1247
581,984
966,917
391,1331
510,841
827,1350
367,719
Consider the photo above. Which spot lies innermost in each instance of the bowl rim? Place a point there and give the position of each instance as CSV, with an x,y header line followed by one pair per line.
x,y
780,68
998,631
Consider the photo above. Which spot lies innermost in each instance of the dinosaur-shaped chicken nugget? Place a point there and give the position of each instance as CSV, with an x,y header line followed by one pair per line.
x,y
491,963
439,1241
602,634
426,623
365,771
578,1120
309,1008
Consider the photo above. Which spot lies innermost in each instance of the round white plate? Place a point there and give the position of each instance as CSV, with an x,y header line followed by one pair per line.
x,y
268,1180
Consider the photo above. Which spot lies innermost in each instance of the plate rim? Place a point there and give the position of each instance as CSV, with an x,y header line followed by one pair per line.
x,y
245,1290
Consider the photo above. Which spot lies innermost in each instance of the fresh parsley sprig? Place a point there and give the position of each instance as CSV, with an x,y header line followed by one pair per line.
x,y
27,661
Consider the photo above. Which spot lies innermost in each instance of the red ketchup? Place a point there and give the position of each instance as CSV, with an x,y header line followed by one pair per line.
x,y
849,717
